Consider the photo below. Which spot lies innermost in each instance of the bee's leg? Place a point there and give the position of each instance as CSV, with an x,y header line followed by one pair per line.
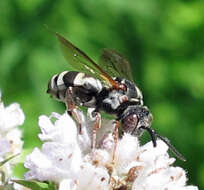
x,y
96,126
115,136
73,110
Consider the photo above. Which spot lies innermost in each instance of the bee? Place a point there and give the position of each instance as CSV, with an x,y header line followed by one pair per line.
x,y
107,86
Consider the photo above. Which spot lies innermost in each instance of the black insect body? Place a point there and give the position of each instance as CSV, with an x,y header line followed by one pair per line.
x,y
107,87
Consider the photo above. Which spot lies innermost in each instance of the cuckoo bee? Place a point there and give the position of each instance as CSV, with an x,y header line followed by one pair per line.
x,y
107,86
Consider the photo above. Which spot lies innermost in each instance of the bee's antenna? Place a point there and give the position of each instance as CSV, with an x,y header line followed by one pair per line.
x,y
155,135
171,147
152,134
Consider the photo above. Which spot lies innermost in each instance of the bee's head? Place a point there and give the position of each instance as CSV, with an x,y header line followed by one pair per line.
x,y
134,117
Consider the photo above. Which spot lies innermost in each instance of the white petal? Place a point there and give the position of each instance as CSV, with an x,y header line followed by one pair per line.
x,y
175,187
161,177
64,156
11,116
14,138
67,184
155,155
127,148
150,151
45,124
63,130
55,162
4,147
41,168
37,159
99,156
92,178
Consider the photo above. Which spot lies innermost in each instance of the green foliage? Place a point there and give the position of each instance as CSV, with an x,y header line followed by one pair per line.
x,y
34,185
162,39
8,159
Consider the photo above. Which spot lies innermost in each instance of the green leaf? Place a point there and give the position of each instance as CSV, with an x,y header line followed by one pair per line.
x,y
3,178
34,185
6,160
52,186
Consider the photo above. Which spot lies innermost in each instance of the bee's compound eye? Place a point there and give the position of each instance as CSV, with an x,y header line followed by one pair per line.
x,y
129,123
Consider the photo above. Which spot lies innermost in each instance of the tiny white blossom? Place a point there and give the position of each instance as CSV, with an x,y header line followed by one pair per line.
x,y
4,147
92,177
63,130
11,144
60,155
65,160
11,116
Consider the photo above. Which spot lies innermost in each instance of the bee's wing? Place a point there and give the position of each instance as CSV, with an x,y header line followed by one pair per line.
x,y
115,64
79,61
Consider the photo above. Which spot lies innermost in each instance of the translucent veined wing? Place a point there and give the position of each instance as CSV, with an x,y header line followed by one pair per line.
x,y
114,64
79,61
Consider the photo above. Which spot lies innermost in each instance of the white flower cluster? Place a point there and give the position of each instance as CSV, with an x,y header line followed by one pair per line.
x,y
66,158
10,136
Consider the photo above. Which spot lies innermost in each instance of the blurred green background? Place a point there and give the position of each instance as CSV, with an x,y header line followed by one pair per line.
x,y
163,40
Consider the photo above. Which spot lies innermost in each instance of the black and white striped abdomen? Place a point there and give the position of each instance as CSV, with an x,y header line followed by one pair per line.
x,y
80,83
